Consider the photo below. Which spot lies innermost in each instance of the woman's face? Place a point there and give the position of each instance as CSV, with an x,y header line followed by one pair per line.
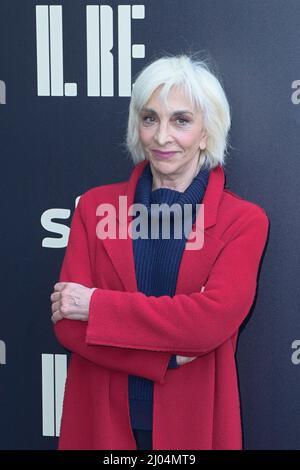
x,y
171,138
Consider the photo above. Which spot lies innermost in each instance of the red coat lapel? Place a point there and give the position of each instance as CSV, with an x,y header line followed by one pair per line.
x,y
195,264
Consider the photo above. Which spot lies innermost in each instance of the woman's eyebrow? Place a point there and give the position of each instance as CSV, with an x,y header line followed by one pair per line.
x,y
175,113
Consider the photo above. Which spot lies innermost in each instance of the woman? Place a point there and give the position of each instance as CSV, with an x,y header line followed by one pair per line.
x,y
153,363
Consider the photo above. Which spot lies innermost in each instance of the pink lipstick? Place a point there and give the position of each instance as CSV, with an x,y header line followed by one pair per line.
x,y
163,155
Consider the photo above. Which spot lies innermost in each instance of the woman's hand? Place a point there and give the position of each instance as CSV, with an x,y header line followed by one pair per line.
x,y
181,360
70,300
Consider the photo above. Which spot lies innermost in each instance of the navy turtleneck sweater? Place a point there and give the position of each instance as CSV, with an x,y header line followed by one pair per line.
x,y
157,263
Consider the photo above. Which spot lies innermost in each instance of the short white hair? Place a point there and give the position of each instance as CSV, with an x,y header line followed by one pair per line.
x,y
203,89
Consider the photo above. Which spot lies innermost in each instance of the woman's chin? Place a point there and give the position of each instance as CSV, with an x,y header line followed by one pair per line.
x,y
163,162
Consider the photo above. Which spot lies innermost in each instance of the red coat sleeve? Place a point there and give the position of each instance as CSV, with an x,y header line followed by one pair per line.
x,y
195,323
71,334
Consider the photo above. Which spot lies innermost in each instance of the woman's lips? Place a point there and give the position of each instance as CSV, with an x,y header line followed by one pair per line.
x,y
163,155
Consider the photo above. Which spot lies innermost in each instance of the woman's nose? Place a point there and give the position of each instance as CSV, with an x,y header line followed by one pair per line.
x,y
162,135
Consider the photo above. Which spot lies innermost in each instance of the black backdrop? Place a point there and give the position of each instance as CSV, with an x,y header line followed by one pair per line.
x,y
53,148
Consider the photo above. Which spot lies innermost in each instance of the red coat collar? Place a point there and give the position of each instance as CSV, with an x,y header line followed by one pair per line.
x,y
194,264
212,196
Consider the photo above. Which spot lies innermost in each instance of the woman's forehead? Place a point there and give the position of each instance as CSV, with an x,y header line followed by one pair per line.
x,y
176,99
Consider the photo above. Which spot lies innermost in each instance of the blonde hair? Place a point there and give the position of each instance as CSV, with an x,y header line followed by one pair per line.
x,y
202,88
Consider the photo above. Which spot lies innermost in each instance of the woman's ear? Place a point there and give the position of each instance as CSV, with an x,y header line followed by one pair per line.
x,y
203,141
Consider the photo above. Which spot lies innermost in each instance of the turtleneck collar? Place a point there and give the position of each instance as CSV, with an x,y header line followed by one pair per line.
x,y
192,195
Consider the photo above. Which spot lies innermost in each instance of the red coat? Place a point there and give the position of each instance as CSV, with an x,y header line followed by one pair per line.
x,y
128,333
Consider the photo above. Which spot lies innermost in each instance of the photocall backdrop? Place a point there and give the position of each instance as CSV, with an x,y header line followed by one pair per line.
x,y
66,70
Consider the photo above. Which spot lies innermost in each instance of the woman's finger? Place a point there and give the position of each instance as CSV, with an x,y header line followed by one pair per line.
x,y
55,296
55,306
56,316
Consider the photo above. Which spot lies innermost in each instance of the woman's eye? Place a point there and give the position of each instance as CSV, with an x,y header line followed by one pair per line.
x,y
148,119
182,121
